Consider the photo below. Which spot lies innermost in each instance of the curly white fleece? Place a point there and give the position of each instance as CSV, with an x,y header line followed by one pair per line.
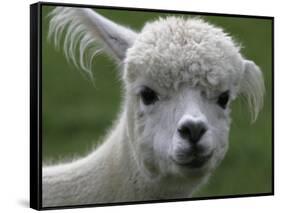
x,y
171,50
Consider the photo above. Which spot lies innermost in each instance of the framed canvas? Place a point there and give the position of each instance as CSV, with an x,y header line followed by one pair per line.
x,y
134,106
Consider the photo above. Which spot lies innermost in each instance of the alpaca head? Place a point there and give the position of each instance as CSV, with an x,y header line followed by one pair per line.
x,y
180,76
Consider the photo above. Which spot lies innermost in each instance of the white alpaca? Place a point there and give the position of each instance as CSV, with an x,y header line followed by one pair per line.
x,y
180,76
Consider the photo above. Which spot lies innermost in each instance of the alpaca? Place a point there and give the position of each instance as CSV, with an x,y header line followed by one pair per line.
x,y
180,77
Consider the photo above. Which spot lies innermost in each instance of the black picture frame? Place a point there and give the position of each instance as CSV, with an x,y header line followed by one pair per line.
x,y
36,104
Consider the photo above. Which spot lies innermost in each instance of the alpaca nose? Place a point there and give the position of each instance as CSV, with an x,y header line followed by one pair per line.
x,y
192,130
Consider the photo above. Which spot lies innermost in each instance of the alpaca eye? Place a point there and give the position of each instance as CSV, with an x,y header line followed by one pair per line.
x,y
223,99
148,96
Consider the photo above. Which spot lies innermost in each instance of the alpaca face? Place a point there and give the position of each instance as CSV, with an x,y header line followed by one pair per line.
x,y
180,131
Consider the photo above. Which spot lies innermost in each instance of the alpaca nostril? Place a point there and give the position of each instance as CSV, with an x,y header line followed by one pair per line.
x,y
192,131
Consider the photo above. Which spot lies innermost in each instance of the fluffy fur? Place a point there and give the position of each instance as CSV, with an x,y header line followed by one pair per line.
x,y
188,63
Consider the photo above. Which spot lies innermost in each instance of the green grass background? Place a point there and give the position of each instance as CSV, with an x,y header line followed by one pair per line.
x,y
76,113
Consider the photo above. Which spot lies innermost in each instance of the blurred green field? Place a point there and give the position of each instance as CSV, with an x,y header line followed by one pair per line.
x,y
77,113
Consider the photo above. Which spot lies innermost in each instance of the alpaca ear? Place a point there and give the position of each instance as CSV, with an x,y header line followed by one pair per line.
x,y
252,87
82,30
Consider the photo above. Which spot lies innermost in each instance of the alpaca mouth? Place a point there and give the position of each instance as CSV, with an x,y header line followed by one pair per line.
x,y
196,162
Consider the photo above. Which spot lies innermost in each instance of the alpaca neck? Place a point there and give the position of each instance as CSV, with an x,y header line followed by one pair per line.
x,y
116,159
102,176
